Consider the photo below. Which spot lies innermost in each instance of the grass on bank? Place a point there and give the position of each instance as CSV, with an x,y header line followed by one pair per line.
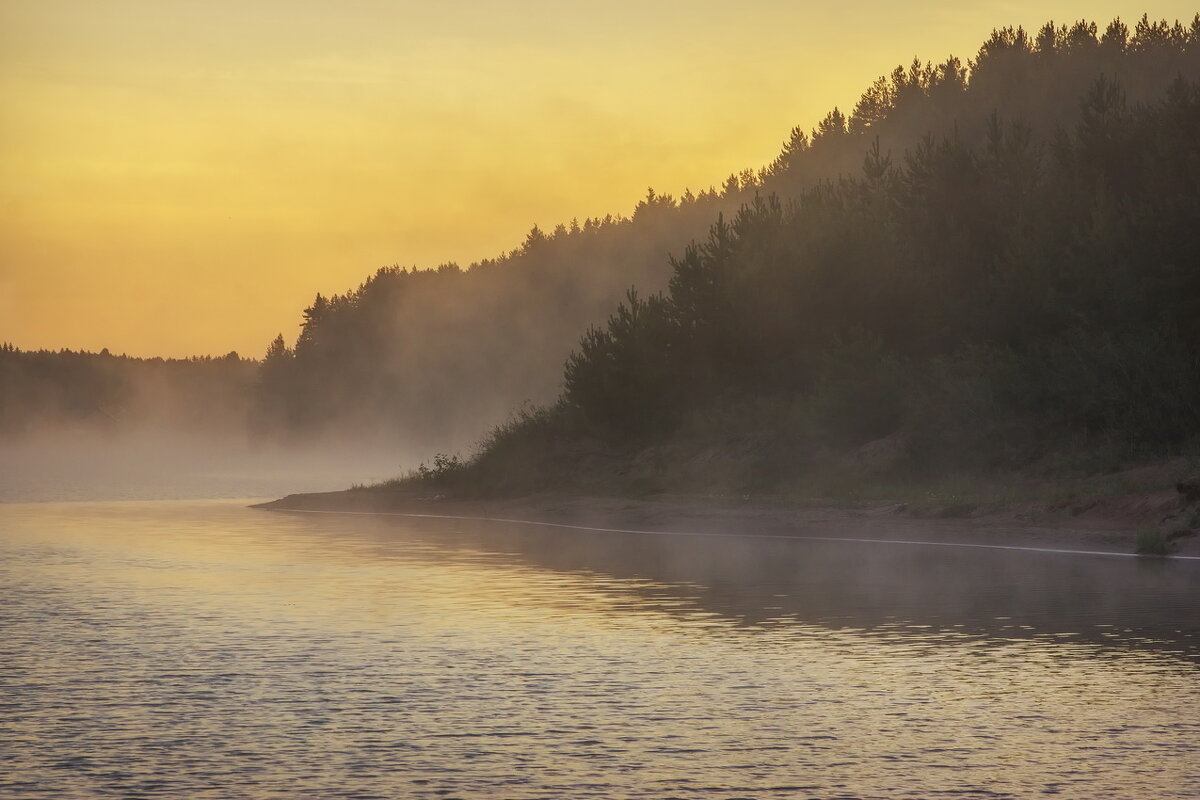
x,y
1153,542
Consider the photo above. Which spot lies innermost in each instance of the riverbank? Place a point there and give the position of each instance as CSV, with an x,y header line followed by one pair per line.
x,y
1099,522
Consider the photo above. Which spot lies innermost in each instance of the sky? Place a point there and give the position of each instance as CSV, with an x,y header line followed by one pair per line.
x,y
180,177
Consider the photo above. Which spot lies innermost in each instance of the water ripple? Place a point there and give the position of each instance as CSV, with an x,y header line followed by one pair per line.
x,y
203,650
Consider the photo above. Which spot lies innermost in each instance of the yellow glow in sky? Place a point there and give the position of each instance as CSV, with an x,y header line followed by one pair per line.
x,y
180,178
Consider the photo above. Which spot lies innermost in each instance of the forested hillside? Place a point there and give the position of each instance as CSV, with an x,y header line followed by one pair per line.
x,y
1000,207
972,303
432,357
938,243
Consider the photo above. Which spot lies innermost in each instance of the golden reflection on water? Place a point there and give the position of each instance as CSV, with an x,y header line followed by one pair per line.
x,y
204,649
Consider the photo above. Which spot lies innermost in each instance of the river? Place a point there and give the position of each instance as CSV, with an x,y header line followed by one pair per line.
x,y
200,648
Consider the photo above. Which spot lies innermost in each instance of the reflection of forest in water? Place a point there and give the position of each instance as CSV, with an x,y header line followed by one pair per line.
x,y
1118,603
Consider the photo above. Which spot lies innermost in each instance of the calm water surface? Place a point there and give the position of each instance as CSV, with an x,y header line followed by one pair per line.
x,y
203,649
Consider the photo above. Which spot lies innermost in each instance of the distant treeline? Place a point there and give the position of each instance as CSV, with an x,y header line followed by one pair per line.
x,y
437,355
48,391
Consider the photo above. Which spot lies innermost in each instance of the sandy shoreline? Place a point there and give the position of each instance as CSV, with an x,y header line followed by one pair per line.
x,y
1107,525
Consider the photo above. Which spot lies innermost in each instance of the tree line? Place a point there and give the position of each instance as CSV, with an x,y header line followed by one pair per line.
x,y
999,208
47,391
985,300
438,355
1063,277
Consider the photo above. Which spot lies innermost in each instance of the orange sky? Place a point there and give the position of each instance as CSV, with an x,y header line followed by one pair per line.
x,y
182,177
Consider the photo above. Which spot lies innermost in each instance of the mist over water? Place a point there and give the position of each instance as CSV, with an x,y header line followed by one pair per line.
x,y
978,267
175,465
204,649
